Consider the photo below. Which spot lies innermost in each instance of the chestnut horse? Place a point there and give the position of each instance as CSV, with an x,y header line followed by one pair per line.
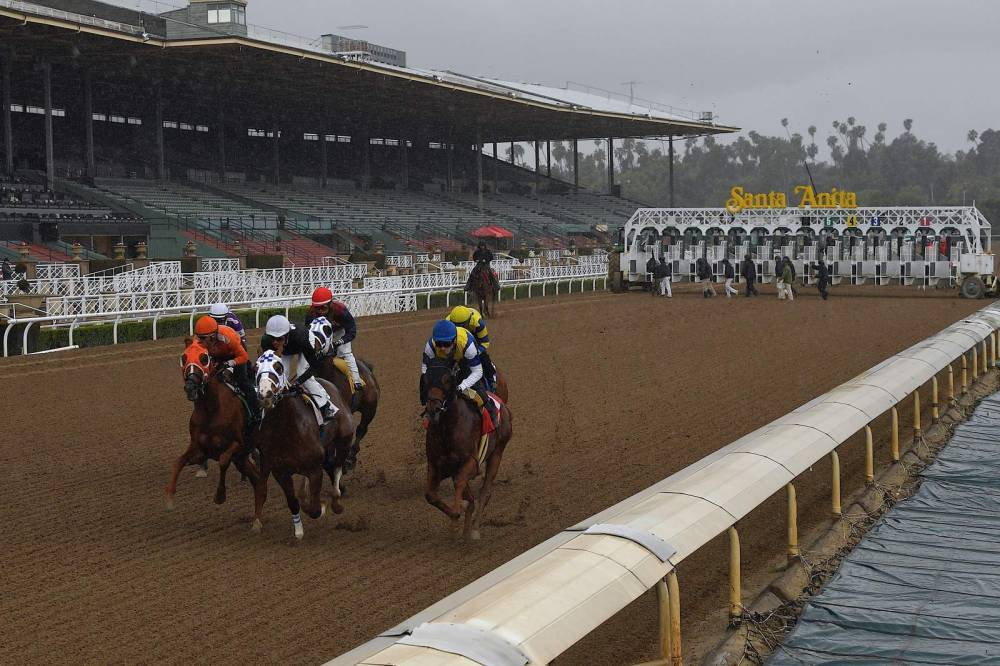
x,y
217,424
291,442
454,429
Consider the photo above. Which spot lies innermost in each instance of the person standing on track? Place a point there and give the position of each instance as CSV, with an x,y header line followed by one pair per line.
x,y
822,278
748,271
664,271
730,275
337,314
704,273
785,285
651,273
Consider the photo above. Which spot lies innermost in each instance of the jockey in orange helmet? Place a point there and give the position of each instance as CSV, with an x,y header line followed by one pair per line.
x,y
223,345
346,329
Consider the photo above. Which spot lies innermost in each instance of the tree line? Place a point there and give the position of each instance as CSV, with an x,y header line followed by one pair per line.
x,y
902,171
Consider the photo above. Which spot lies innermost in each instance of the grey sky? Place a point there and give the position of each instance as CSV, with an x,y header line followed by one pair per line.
x,y
751,62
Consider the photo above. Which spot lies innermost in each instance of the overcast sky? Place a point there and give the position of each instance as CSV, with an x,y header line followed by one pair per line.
x,y
752,62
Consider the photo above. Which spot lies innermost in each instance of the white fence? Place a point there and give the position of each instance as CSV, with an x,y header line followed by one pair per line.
x,y
400,260
222,264
535,607
415,281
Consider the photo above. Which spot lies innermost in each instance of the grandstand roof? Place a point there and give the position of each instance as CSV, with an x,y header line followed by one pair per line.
x,y
274,78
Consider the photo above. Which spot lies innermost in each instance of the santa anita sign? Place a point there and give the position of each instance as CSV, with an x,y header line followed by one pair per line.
x,y
739,199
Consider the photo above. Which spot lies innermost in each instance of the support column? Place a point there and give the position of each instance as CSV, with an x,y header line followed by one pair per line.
x,y
221,142
275,155
496,170
869,456
548,159
835,484
50,164
366,162
8,130
917,434
611,165
88,125
735,585
793,524
538,170
673,589
935,415
670,150
451,165
324,160
479,169
576,165
894,436
404,157
161,150
513,155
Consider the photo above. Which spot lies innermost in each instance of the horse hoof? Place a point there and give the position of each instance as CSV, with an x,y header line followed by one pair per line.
x,y
170,504
474,535
202,473
322,509
256,526
220,498
299,533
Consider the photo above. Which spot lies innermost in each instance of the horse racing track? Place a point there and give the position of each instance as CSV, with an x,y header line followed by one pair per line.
x,y
609,393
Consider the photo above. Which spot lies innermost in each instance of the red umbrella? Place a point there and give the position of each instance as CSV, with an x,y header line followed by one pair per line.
x,y
491,231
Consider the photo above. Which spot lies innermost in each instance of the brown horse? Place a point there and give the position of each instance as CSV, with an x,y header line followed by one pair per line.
x,y
291,442
484,290
217,424
367,404
454,429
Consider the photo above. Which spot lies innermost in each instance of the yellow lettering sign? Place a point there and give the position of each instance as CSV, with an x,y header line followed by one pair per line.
x,y
739,199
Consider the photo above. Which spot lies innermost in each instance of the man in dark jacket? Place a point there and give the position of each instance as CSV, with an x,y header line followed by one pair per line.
x,y
300,360
730,274
704,272
482,256
6,271
822,278
748,271
651,274
664,272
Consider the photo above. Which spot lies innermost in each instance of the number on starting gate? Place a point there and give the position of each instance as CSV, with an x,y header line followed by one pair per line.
x,y
875,222
852,221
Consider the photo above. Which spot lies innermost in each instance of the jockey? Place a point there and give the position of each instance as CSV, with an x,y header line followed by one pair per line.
x,y
223,345
482,256
456,344
221,313
470,319
337,314
292,344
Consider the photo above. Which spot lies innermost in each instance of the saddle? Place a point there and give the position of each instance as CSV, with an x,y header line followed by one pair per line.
x,y
488,428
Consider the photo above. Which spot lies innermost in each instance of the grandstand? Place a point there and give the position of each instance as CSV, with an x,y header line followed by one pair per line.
x,y
124,127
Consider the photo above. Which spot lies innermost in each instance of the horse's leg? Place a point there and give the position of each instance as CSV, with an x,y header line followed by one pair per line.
x,y
260,496
288,487
224,460
467,471
175,472
368,409
431,492
470,512
316,508
486,491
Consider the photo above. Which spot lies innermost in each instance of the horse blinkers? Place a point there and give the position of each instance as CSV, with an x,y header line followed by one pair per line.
x,y
194,370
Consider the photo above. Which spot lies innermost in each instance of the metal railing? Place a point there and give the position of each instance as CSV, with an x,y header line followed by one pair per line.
x,y
364,302
556,593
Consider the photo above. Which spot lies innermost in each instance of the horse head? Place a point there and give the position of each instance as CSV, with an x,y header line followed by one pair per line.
x,y
196,365
440,383
271,379
321,335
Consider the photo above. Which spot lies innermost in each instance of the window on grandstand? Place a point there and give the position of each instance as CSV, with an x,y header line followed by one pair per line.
x,y
186,127
35,109
392,142
59,113
134,121
256,132
435,145
308,136
343,139
100,116
118,119
376,142
201,128
227,13
332,138
170,124
17,108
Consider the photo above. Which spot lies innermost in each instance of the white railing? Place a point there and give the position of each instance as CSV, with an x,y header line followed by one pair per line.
x,y
415,281
220,264
363,302
400,260
567,271
54,271
541,603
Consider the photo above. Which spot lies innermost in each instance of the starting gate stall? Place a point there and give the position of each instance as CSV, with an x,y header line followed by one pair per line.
x,y
925,244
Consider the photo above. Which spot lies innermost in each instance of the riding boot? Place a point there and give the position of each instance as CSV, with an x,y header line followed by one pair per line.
x,y
489,370
490,406
329,411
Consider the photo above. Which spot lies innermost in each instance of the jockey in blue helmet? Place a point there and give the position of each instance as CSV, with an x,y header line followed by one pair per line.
x,y
457,345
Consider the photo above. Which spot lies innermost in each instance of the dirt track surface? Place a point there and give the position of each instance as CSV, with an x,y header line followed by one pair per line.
x,y
610,393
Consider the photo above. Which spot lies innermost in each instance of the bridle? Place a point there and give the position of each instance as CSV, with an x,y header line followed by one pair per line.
x,y
437,370
271,369
195,372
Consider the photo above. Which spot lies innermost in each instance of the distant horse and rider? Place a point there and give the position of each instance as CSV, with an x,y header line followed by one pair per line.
x,y
483,282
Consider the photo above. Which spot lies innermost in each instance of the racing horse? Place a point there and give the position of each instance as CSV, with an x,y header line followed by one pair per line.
x,y
454,430
482,287
291,441
323,336
217,424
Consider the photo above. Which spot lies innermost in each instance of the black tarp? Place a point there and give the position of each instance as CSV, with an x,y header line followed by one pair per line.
x,y
923,586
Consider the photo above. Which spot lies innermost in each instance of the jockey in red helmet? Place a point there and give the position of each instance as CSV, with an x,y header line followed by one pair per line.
x,y
337,314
